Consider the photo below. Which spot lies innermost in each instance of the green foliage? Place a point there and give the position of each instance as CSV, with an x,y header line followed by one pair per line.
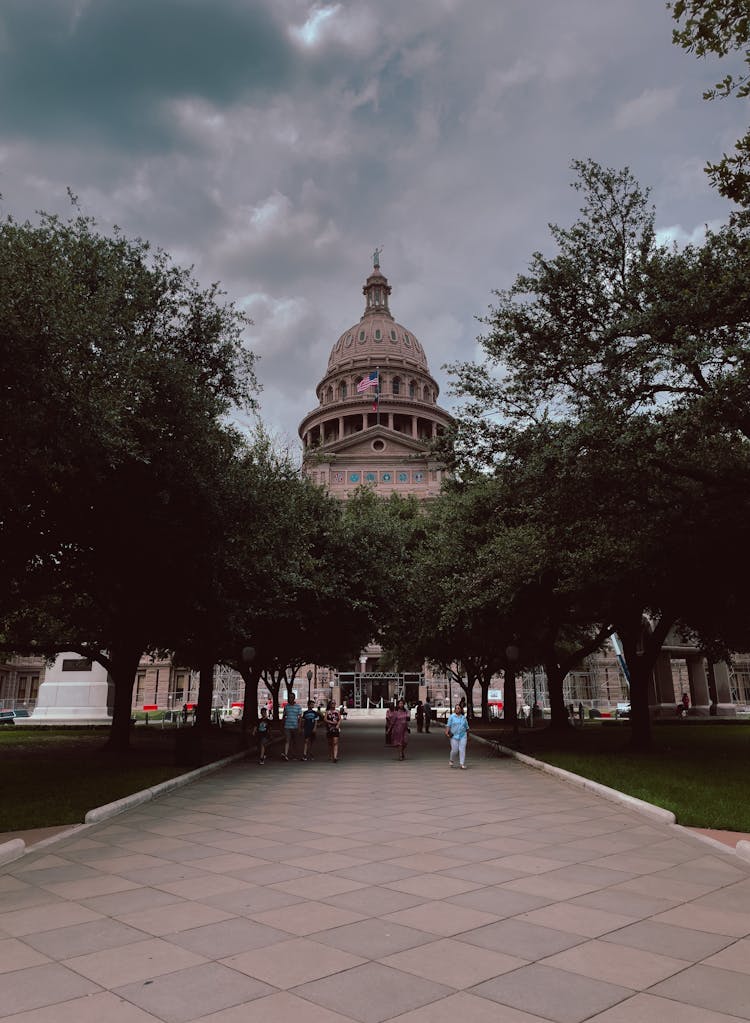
x,y
720,28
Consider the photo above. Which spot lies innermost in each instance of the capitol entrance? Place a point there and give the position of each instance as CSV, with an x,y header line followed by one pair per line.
x,y
369,689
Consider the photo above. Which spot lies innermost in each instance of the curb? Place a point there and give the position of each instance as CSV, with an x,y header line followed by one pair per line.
x,y
613,795
742,849
16,848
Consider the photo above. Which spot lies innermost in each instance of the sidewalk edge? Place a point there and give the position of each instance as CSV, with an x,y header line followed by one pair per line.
x,y
614,795
13,850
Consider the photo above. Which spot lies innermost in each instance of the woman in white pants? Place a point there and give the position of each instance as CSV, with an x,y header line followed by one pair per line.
x,y
457,730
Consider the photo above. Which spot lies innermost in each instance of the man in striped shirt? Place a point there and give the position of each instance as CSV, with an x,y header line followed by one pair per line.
x,y
291,719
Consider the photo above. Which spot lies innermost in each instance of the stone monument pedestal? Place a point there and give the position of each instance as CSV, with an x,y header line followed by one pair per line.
x,y
75,691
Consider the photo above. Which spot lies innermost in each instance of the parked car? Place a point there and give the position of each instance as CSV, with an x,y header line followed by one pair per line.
x,y
9,717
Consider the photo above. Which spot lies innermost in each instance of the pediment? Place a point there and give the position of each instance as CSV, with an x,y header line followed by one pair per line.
x,y
395,444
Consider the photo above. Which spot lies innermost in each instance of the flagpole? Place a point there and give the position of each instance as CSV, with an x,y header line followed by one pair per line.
x,y
377,396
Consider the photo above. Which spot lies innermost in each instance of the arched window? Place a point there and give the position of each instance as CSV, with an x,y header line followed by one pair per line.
x,y
342,389
396,385
412,389
329,394
426,394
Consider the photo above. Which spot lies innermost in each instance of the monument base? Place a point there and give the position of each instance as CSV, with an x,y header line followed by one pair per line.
x,y
75,691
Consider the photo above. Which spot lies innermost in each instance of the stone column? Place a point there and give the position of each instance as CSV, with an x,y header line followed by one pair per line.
x,y
341,428
663,701
390,420
724,705
414,432
699,697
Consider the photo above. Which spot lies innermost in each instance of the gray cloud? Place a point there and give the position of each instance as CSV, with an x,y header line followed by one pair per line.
x,y
274,152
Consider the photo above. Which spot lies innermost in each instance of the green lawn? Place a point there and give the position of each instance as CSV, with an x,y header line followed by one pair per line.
x,y
699,771
56,776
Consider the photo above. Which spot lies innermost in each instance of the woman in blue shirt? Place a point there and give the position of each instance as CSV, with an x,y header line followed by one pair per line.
x,y
457,730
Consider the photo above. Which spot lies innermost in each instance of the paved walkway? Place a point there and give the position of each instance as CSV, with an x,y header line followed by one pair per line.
x,y
373,890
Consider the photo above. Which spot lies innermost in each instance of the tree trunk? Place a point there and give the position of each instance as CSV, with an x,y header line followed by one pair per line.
x,y
559,718
640,650
510,701
124,659
205,695
484,686
250,699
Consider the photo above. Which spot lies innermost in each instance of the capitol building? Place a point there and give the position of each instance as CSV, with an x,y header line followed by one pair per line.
x,y
377,413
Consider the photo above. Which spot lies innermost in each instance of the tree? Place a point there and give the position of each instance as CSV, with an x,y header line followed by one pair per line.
x,y
614,393
720,27
107,483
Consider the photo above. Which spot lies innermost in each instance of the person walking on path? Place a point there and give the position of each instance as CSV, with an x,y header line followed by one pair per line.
x,y
457,730
291,719
399,728
420,715
427,714
310,719
333,731
263,731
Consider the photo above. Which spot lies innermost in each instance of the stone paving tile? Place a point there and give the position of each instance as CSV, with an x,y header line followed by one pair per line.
x,y
441,918
453,962
238,934
178,917
376,873
129,901
374,938
617,964
374,900
91,1009
681,942
372,992
307,917
499,901
553,994
199,888
143,960
281,1007
516,937
735,957
250,899
428,886
627,903
44,918
589,923
36,986
710,988
645,1008
80,939
704,918
189,994
289,963
18,955
468,1007
26,897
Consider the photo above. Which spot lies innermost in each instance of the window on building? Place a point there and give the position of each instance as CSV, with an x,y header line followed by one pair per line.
x,y
412,388
140,687
396,386
343,390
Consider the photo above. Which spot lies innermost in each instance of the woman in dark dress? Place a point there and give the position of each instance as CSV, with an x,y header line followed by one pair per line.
x,y
399,727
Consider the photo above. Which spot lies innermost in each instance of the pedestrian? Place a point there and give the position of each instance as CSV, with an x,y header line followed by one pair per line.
x,y
420,715
427,714
310,720
580,713
457,730
291,719
399,728
263,732
184,713
333,731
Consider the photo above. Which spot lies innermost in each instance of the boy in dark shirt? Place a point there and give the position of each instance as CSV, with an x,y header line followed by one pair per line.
x,y
310,719
263,731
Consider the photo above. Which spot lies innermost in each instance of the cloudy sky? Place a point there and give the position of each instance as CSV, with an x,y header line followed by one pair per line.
x,y
274,143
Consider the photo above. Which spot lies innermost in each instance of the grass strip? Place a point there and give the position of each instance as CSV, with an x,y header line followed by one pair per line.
x,y
56,776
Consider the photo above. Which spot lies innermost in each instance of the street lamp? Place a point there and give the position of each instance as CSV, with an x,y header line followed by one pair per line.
x,y
309,683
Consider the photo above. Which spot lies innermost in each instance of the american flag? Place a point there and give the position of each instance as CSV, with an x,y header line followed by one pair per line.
x,y
367,382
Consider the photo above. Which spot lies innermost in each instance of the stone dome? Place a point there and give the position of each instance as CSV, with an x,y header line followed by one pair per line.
x,y
377,336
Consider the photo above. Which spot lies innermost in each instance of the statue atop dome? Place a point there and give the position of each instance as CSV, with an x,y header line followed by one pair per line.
x,y
376,257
